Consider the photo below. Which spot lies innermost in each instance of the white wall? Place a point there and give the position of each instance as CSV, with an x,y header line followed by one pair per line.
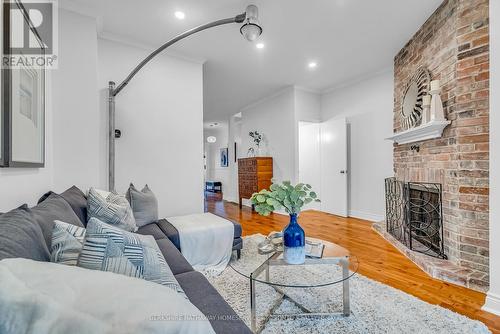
x,y
307,109
275,118
310,158
214,170
79,128
368,107
160,113
493,298
72,154
234,136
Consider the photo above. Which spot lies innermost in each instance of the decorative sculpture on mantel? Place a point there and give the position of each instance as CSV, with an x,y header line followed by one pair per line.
x,y
437,111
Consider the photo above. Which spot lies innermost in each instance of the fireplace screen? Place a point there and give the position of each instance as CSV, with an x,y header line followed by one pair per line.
x,y
414,215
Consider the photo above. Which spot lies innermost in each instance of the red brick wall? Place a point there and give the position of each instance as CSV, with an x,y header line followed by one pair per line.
x,y
454,45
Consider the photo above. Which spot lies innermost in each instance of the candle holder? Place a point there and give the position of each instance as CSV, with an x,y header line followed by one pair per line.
x,y
437,111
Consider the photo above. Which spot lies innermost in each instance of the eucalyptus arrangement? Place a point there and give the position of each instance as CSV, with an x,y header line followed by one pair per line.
x,y
292,199
284,196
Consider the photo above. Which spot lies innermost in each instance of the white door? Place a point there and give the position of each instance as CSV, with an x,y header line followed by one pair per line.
x,y
334,171
310,158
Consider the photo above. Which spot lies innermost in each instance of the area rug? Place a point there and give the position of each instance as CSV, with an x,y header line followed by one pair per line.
x,y
375,307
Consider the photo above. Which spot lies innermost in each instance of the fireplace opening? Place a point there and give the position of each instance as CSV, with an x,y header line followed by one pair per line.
x,y
414,215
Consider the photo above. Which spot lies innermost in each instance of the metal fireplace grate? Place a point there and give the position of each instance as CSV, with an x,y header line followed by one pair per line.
x,y
414,215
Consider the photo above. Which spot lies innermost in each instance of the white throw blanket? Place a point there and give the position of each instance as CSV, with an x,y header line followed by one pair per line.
x,y
206,241
44,297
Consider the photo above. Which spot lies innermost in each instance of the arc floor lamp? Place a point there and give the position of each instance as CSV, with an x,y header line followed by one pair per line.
x,y
250,29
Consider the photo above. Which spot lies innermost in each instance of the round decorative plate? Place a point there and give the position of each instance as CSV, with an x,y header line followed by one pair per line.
x,y
417,87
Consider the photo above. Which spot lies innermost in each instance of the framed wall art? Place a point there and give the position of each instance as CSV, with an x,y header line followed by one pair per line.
x,y
23,101
224,158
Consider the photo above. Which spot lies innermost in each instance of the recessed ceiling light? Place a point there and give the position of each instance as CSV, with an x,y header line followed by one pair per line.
x,y
312,65
211,139
180,15
259,45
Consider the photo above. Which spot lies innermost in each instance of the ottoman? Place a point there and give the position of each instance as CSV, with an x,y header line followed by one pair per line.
x,y
173,235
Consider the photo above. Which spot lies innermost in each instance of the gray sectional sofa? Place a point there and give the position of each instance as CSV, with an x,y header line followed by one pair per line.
x,y
27,233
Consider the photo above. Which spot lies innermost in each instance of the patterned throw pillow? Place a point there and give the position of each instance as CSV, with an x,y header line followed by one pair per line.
x,y
144,205
108,248
110,208
67,243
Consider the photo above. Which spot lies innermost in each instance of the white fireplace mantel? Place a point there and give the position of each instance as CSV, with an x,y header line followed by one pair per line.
x,y
431,130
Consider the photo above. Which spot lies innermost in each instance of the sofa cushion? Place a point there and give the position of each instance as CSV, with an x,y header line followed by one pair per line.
x,y
21,236
109,248
177,263
153,230
78,202
110,208
51,209
204,296
67,243
144,205
170,231
76,199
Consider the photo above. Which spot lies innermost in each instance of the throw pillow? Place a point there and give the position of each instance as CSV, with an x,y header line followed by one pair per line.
x,y
21,236
144,205
53,208
67,243
76,199
113,209
108,248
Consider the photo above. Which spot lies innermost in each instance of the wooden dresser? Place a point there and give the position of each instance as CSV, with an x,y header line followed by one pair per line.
x,y
254,174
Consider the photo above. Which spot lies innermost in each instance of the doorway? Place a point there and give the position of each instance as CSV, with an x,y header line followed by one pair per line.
x,y
323,163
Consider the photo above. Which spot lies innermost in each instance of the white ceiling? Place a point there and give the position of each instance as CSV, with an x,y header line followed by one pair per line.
x,y
348,39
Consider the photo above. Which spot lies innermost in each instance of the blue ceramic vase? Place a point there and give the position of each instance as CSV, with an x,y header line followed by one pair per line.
x,y
294,242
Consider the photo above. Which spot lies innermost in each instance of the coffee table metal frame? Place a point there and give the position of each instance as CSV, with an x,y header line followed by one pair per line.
x,y
274,261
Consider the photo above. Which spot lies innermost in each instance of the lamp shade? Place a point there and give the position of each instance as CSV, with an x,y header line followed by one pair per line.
x,y
250,31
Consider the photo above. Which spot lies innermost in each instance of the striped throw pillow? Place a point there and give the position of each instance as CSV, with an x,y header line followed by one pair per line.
x,y
108,248
111,208
67,243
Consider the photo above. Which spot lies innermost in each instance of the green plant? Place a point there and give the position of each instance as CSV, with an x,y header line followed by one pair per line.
x,y
283,195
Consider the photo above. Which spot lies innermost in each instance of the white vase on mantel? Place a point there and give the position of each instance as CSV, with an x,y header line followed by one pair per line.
x,y
437,111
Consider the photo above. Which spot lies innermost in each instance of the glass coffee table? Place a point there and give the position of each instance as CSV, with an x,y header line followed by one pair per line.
x,y
336,266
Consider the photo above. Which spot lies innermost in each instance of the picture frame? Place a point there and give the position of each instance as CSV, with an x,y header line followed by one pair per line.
x,y
3,153
23,105
224,157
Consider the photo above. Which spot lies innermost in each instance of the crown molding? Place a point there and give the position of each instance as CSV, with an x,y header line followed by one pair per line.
x,y
356,80
268,98
308,90
104,35
78,8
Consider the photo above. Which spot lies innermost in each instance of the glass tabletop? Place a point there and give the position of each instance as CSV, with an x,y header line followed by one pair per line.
x,y
271,269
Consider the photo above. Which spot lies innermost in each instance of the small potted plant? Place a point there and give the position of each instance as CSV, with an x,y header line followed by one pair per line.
x,y
292,199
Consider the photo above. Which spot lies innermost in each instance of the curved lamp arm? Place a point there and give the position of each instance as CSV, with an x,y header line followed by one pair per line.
x,y
237,19
250,30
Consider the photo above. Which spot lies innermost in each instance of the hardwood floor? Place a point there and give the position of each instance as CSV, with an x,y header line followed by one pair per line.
x,y
378,259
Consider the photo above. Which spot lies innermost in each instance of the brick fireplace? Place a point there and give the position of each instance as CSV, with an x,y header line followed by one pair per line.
x,y
454,46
